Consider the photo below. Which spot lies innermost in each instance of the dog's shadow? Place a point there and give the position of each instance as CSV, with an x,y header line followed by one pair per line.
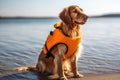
x,y
29,75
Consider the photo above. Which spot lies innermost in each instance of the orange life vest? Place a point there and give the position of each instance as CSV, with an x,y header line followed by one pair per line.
x,y
58,37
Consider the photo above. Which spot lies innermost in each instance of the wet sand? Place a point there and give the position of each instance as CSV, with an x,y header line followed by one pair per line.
x,y
32,75
115,76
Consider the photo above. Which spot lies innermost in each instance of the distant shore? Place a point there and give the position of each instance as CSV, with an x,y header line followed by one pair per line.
x,y
107,16
28,17
116,15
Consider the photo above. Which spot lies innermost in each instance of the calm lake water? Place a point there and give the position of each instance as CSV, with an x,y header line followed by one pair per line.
x,y
21,41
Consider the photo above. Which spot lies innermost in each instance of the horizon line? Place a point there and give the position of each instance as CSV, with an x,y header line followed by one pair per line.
x,y
103,15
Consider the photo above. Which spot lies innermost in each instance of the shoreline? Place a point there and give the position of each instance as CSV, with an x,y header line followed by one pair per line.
x,y
108,76
32,74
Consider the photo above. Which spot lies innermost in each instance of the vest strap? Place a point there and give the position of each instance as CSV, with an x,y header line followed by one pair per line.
x,y
49,54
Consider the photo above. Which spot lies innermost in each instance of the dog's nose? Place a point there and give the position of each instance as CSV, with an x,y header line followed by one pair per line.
x,y
86,17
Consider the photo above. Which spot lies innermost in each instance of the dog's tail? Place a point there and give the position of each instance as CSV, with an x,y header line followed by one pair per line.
x,y
26,68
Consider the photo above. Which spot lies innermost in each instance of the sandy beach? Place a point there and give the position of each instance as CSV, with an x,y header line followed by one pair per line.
x,y
32,75
112,76
115,76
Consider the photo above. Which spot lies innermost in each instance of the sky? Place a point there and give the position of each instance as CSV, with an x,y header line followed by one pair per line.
x,y
54,7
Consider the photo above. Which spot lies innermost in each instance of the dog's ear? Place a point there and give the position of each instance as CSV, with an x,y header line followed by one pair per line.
x,y
65,16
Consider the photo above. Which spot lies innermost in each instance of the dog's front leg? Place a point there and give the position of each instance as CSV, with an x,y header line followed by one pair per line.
x,y
60,58
61,70
75,69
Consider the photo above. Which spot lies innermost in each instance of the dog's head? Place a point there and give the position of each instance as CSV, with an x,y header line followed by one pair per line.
x,y
73,15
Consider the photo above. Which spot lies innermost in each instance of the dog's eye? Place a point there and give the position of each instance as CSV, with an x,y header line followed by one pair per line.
x,y
75,11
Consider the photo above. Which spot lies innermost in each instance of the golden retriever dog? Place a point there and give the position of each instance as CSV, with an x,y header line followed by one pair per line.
x,y
55,61
60,54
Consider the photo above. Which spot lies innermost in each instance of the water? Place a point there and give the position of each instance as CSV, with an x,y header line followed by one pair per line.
x,y
21,41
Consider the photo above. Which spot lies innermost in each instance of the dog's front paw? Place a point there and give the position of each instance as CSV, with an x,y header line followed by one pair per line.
x,y
63,78
78,75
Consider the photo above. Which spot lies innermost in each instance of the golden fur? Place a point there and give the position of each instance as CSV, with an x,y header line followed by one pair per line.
x,y
71,17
